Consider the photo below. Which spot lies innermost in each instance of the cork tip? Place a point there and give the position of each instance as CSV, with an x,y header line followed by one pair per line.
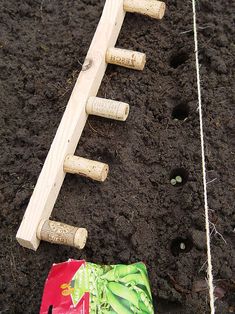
x,y
104,173
80,238
125,113
162,10
143,62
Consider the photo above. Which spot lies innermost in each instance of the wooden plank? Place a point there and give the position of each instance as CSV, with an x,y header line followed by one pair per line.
x,y
68,134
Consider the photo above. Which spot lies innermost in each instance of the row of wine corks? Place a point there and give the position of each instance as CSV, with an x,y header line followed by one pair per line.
x,y
60,233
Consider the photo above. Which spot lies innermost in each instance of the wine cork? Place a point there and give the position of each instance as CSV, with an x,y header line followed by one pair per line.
x,y
107,108
85,167
60,233
153,8
126,58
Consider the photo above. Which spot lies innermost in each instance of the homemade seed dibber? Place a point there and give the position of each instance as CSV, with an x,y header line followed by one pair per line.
x,y
36,225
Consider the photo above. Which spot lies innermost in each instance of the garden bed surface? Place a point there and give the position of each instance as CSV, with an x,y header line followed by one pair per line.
x,y
136,215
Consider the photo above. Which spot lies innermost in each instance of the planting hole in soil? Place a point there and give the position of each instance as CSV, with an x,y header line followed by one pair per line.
x,y
178,59
180,112
181,245
179,176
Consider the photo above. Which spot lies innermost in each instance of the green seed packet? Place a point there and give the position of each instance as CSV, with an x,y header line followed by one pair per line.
x,y
81,287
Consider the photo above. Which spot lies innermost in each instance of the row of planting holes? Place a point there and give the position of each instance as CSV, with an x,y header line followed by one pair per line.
x,y
179,177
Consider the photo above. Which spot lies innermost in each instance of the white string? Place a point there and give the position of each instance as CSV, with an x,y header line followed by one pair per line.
x,y
207,222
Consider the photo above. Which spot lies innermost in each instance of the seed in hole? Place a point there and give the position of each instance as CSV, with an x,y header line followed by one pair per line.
x,y
178,179
178,59
180,112
181,245
179,176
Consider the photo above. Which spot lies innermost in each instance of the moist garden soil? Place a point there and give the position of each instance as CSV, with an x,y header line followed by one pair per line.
x,y
136,215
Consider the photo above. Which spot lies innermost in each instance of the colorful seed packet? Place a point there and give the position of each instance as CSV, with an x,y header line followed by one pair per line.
x,y
86,288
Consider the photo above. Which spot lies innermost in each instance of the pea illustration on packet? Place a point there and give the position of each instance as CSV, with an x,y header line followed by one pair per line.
x,y
86,288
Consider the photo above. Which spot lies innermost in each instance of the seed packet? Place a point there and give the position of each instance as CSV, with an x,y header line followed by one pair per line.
x,y
86,288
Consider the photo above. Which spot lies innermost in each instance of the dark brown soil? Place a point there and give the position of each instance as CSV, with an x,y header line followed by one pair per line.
x,y
136,215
